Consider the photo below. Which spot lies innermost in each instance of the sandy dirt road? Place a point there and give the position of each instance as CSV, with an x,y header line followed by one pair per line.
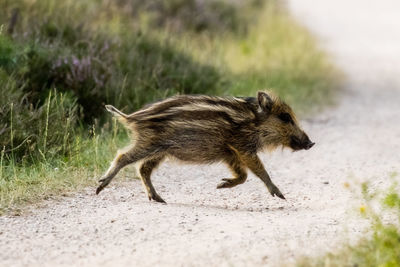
x,y
245,226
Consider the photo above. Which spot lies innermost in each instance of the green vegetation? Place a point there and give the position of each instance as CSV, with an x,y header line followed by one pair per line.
x,y
61,61
381,247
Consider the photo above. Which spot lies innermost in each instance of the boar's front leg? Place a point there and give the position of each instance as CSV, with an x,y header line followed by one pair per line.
x,y
255,165
238,169
145,172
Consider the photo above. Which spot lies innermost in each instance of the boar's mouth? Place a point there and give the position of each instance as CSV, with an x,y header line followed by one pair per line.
x,y
297,144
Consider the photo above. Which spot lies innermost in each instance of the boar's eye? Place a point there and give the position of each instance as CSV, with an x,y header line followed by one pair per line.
x,y
285,117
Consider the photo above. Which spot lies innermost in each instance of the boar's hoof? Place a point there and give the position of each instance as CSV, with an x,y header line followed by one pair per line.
x,y
228,183
157,198
98,190
104,182
275,191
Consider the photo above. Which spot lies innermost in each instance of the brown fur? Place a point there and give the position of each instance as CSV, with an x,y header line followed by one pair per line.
x,y
205,129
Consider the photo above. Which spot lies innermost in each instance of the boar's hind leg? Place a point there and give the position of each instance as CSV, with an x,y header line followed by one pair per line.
x,y
255,165
145,172
127,156
238,169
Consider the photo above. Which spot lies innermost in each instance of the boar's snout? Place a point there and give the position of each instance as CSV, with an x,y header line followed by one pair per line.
x,y
303,143
309,145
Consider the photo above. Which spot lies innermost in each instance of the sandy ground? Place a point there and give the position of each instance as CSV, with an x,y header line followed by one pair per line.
x,y
245,226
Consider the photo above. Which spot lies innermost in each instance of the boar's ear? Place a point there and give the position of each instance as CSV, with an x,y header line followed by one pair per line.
x,y
265,101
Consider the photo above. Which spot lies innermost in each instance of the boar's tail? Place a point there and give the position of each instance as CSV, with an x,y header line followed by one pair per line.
x,y
116,112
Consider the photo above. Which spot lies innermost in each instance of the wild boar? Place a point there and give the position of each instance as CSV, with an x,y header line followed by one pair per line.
x,y
208,129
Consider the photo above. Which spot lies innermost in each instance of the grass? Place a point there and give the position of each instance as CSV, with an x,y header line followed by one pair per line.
x,y
39,178
62,61
381,246
273,56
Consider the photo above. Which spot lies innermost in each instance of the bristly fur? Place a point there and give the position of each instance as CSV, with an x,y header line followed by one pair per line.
x,y
206,129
